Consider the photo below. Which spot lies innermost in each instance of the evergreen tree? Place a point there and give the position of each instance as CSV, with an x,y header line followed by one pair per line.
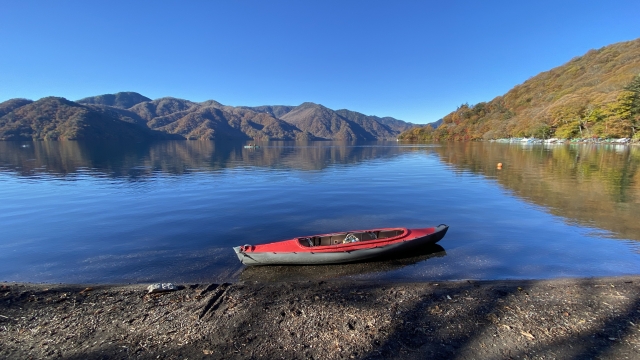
x,y
634,87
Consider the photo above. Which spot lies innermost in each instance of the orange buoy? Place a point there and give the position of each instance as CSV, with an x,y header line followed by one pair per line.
x,y
499,165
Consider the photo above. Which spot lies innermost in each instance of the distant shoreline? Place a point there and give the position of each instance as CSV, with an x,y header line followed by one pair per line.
x,y
596,141
553,141
622,141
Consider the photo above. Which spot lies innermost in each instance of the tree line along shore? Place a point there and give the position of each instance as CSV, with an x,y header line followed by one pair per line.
x,y
596,95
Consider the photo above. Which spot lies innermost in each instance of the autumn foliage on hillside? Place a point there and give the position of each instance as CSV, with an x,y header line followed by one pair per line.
x,y
106,117
594,95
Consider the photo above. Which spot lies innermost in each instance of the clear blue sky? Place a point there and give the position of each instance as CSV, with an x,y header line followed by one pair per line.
x,y
413,60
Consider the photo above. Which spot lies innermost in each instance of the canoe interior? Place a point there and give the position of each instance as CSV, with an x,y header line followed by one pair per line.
x,y
335,239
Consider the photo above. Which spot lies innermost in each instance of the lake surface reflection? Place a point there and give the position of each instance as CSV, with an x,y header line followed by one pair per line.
x,y
170,211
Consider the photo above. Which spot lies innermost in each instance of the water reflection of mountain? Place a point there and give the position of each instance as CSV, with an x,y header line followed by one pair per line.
x,y
596,186
325,272
136,161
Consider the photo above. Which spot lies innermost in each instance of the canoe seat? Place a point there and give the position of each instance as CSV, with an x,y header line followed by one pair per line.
x,y
388,234
310,241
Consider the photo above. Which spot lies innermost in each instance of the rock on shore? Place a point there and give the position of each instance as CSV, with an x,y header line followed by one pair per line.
x,y
569,318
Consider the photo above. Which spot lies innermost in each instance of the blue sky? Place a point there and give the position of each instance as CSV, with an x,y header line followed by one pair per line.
x,y
413,60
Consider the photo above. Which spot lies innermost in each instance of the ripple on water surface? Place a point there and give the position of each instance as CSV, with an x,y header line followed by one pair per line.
x,y
171,211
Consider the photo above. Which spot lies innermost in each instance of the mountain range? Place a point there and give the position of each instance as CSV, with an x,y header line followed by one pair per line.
x,y
129,116
593,95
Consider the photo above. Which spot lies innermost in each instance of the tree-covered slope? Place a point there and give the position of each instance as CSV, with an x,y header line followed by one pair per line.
x,y
211,120
59,119
594,95
234,123
54,118
123,100
380,128
10,105
395,124
150,110
277,111
324,123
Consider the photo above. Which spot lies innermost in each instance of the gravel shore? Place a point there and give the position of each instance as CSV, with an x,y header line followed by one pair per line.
x,y
564,318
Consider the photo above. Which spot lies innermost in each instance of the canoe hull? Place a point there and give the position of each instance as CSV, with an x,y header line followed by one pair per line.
x,y
339,257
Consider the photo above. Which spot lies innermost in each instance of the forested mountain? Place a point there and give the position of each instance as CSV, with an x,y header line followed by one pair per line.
x,y
325,123
276,110
54,118
594,95
150,110
123,100
395,124
211,122
10,105
386,127
108,117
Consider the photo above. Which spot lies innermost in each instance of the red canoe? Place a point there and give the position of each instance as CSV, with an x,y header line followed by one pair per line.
x,y
339,247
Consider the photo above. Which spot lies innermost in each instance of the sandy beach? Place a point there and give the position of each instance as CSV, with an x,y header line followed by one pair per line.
x,y
548,319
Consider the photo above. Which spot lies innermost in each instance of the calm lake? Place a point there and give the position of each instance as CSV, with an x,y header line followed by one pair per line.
x,y
171,211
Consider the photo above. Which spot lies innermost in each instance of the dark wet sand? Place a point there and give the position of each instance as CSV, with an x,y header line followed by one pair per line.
x,y
565,319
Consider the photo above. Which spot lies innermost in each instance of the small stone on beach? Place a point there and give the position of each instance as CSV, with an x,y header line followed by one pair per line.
x,y
156,288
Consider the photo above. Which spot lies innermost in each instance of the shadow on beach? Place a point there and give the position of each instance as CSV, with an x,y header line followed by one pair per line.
x,y
564,318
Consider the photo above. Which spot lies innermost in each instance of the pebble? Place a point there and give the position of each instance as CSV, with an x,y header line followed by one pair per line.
x,y
156,288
